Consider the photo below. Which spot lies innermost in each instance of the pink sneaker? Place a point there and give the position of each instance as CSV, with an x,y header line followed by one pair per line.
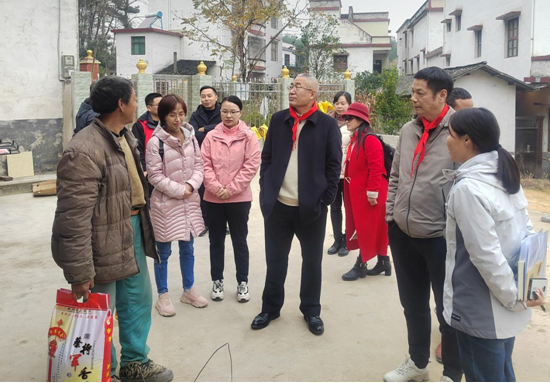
x,y
194,298
164,306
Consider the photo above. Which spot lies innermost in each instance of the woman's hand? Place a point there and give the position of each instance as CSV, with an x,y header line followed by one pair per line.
x,y
536,302
223,194
372,201
188,191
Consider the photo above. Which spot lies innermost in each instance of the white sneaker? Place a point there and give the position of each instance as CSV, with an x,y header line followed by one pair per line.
x,y
445,379
217,290
243,295
164,306
407,372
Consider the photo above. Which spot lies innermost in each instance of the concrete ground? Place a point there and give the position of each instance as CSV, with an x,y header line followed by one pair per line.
x,y
365,333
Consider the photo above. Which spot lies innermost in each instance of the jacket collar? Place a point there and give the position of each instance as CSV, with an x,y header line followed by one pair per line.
x,y
161,134
111,137
220,132
482,167
419,126
202,111
313,118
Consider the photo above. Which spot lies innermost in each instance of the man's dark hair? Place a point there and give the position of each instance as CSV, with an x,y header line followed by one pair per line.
x,y
458,94
208,87
149,99
437,79
235,100
107,91
168,104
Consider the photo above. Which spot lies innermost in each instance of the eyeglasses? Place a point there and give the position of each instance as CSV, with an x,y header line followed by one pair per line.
x,y
298,87
230,112
348,118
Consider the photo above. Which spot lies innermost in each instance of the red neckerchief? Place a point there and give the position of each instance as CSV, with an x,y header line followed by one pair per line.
x,y
297,120
421,147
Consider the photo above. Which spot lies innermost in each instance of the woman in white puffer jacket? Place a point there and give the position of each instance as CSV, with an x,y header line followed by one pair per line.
x,y
486,222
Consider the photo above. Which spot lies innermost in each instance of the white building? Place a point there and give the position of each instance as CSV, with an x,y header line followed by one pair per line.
x,y
171,40
364,37
289,55
39,48
419,39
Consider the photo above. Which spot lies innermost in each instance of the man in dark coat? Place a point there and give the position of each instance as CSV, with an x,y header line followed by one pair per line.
x,y
85,116
301,165
204,119
145,125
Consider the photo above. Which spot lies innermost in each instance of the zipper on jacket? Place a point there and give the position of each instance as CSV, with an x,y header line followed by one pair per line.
x,y
409,207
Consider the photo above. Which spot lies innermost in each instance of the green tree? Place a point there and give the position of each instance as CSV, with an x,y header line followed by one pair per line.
x,y
391,111
239,17
320,42
367,82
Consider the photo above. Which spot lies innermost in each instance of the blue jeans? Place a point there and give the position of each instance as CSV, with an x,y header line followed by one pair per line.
x,y
133,300
486,360
187,263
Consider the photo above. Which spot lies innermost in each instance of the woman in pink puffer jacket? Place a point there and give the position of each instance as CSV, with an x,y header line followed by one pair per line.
x,y
232,156
174,167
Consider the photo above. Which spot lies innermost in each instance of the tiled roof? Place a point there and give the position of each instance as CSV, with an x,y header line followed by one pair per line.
x,y
405,82
187,67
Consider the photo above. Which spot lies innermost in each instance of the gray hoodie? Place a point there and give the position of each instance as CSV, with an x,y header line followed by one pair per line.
x,y
485,227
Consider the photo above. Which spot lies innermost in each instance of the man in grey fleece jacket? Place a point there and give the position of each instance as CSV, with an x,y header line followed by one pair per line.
x,y
415,212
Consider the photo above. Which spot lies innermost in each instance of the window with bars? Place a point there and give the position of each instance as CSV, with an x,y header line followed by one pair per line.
x,y
138,45
274,22
512,29
255,46
478,43
340,63
287,59
449,26
275,51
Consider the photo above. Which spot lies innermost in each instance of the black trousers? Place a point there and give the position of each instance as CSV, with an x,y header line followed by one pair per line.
x,y
280,228
204,205
418,263
219,216
336,212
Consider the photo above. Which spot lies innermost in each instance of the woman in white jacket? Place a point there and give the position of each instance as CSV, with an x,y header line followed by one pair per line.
x,y
486,222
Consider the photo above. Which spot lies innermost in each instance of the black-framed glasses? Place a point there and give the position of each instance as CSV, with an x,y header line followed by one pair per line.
x,y
298,87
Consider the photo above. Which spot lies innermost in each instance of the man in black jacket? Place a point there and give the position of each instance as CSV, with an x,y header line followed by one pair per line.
x,y
144,127
301,164
205,119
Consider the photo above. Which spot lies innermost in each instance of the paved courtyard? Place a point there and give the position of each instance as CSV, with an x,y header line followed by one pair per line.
x,y
365,333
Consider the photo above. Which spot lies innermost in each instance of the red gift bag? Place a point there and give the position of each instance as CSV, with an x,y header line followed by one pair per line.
x,y
79,339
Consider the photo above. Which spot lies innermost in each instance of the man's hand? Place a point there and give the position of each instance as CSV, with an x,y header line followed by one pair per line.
x,y
223,194
188,191
201,129
536,302
82,290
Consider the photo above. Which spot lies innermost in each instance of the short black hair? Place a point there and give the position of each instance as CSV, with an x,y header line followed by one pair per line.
x,y
340,94
235,100
151,97
107,91
458,94
437,79
208,87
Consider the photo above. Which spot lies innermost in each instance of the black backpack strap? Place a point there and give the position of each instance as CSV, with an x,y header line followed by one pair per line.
x,y
161,149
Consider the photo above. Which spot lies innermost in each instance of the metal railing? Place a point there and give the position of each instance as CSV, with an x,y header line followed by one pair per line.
x,y
176,84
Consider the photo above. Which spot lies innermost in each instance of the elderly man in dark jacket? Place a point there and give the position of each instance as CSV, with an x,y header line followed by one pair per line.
x,y
102,231
301,165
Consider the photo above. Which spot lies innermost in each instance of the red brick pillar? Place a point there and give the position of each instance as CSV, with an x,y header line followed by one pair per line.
x,y
88,64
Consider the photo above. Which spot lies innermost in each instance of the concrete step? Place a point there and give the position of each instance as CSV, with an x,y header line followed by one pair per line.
x,y
23,184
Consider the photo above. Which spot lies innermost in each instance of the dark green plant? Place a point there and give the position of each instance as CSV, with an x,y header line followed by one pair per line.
x,y
392,111
367,82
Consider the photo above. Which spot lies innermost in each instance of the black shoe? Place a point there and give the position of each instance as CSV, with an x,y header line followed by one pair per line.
x,y
315,325
335,246
359,270
343,249
383,265
262,320
204,232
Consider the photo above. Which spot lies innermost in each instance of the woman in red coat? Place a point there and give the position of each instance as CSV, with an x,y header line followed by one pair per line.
x,y
365,192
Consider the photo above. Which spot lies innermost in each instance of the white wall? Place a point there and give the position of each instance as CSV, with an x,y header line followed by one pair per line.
x,y
541,46
497,96
159,52
30,56
360,59
475,12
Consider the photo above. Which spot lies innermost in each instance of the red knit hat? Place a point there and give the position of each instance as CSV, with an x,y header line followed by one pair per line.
x,y
358,110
